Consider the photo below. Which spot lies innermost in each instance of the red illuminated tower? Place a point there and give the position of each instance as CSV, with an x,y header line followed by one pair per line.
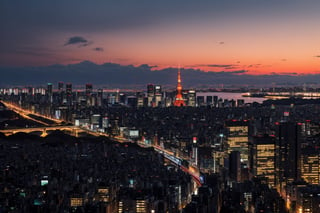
x,y
179,100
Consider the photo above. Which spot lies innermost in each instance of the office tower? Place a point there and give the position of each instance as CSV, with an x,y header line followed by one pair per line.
x,y
215,101
209,100
88,89
192,98
179,99
264,158
100,97
157,95
69,93
307,199
96,121
150,94
132,101
49,92
60,86
287,153
238,139
200,100
123,99
61,93
310,164
195,150
88,94
140,99
235,166
68,88
49,89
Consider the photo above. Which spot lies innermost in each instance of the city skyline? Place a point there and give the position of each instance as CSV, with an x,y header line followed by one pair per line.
x,y
253,37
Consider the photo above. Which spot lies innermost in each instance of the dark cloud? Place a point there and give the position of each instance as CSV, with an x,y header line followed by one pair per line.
x,y
77,40
238,71
317,56
147,66
284,59
217,65
221,42
98,49
122,76
254,65
232,67
223,66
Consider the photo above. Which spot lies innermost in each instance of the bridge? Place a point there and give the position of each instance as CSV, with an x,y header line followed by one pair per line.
x,y
72,130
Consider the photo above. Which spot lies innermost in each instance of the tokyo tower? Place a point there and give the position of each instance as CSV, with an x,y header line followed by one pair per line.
x,y
179,100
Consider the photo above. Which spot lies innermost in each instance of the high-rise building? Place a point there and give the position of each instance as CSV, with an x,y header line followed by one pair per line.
x,y
192,98
69,93
88,94
238,139
49,89
68,88
123,99
60,86
200,100
179,99
307,199
150,94
310,164
157,95
50,92
264,158
209,100
287,153
234,166
215,101
140,99
88,89
100,97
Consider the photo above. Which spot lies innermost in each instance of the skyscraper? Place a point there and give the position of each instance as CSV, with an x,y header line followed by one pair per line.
x,y
238,139
100,97
158,95
88,89
287,153
264,157
192,98
69,93
235,166
150,94
60,86
179,99
49,92
88,94
310,164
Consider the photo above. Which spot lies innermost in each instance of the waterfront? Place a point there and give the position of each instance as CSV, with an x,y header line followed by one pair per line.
x,y
232,95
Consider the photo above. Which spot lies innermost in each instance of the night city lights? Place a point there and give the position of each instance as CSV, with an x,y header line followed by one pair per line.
x,y
160,106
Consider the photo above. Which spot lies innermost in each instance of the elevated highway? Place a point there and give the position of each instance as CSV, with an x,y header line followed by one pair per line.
x,y
27,115
74,131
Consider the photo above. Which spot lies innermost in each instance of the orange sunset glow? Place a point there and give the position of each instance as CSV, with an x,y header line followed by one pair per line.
x,y
252,36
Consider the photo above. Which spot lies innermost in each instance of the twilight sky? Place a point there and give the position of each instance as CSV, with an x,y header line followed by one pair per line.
x,y
259,36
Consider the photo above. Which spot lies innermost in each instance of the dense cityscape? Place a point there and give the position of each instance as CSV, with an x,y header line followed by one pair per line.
x,y
168,106
96,150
